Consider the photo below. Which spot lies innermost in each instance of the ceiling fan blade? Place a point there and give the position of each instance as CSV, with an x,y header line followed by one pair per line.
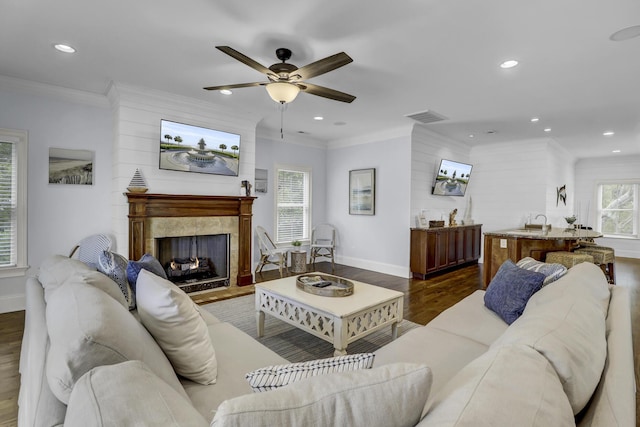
x,y
323,65
244,59
236,86
325,92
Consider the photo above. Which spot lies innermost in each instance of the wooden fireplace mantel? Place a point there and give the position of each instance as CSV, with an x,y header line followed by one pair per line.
x,y
144,206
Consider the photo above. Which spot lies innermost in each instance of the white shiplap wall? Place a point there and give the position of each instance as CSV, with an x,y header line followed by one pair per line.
x,y
589,172
137,113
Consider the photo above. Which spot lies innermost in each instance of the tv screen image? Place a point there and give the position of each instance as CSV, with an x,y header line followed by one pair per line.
x,y
452,178
190,148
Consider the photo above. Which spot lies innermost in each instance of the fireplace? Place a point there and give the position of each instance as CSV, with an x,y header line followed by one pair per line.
x,y
196,263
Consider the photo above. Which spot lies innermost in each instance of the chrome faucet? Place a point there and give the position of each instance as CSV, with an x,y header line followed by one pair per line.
x,y
545,228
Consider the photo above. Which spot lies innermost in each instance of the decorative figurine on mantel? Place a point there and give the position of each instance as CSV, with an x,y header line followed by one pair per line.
x,y
137,184
246,185
452,218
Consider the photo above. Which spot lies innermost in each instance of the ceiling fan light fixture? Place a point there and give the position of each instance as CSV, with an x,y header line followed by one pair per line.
x,y
282,92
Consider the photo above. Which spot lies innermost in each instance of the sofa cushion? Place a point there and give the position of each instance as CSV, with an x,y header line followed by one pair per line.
x,y
55,269
88,328
147,262
552,271
128,393
273,377
115,266
570,333
102,282
177,326
510,289
390,395
511,385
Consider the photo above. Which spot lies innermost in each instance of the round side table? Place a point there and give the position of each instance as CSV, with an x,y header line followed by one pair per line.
x,y
298,261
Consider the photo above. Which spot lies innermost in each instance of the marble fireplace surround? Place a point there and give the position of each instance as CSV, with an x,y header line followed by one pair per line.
x,y
153,216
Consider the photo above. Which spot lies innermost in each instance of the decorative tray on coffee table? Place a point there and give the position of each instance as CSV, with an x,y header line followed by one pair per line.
x,y
324,285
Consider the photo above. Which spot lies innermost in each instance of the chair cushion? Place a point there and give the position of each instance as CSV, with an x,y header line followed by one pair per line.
x,y
510,385
128,393
88,328
510,290
177,326
552,271
392,395
273,377
55,269
102,282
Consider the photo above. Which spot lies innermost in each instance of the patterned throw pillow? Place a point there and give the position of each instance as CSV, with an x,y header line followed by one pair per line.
x,y
147,262
272,377
552,271
115,266
510,289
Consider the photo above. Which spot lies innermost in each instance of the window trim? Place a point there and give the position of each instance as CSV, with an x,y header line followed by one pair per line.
x,y
598,198
20,139
295,168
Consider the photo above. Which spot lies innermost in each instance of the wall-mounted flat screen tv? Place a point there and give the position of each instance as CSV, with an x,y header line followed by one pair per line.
x,y
452,178
190,148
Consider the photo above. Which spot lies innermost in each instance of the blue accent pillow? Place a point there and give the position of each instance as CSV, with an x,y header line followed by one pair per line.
x,y
147,262
115,266
510,290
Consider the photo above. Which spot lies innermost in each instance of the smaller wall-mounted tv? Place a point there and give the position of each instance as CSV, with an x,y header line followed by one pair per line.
x,y
451,179
191,148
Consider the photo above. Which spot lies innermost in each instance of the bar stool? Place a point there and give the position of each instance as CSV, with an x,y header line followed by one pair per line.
x,y
603,256
568,259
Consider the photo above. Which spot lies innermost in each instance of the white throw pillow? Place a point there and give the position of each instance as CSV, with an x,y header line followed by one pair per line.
x,y
552,271
273,377
391,395
570,333
88,328
176,324
511,385
128,394
102,282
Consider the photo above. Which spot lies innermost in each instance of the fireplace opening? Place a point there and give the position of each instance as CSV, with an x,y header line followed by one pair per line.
x,y
195,263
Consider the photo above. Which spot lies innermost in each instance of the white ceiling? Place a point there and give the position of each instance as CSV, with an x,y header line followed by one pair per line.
x,y
409,56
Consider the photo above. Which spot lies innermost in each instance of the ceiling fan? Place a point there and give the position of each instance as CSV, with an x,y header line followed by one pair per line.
x,y
286,80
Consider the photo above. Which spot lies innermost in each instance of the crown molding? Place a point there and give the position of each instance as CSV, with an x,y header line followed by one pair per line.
x,y
42,89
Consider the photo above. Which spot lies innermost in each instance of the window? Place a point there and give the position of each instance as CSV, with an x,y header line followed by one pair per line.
x,y
13,202
293,195
618,209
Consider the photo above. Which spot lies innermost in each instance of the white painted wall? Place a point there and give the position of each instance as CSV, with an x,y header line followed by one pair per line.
x,y
560,171
58,215
379,242
427,149
293,151
136,144
588,173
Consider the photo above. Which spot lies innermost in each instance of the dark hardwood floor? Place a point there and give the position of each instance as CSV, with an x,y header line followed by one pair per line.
x,y
424,299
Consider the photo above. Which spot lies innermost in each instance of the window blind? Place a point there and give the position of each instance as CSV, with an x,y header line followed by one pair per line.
x,y
8,203
292,205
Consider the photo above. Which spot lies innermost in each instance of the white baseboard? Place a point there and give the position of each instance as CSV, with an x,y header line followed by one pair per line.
x,y
628,254
11,303
379,267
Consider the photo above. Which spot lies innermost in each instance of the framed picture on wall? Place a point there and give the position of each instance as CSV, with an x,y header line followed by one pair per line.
x,y
362,192
70,166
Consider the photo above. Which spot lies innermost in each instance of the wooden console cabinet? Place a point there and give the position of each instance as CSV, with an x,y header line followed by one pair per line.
x,y
436,249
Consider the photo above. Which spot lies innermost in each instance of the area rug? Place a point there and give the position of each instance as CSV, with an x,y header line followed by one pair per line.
x,y
289,342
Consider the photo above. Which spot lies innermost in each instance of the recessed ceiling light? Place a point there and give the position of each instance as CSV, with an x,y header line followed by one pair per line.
x,y
471,135
608,133
615,151
318,118
535,119
547,129
509,63
226,92
64,48
625,33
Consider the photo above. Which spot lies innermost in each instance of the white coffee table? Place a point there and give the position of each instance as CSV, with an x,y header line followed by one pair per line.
x,y
339,320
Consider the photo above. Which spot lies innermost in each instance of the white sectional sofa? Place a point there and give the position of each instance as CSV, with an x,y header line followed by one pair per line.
x,y
87,360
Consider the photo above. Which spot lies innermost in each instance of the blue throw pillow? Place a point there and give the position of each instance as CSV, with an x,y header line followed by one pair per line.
x,y
510,290
147,262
